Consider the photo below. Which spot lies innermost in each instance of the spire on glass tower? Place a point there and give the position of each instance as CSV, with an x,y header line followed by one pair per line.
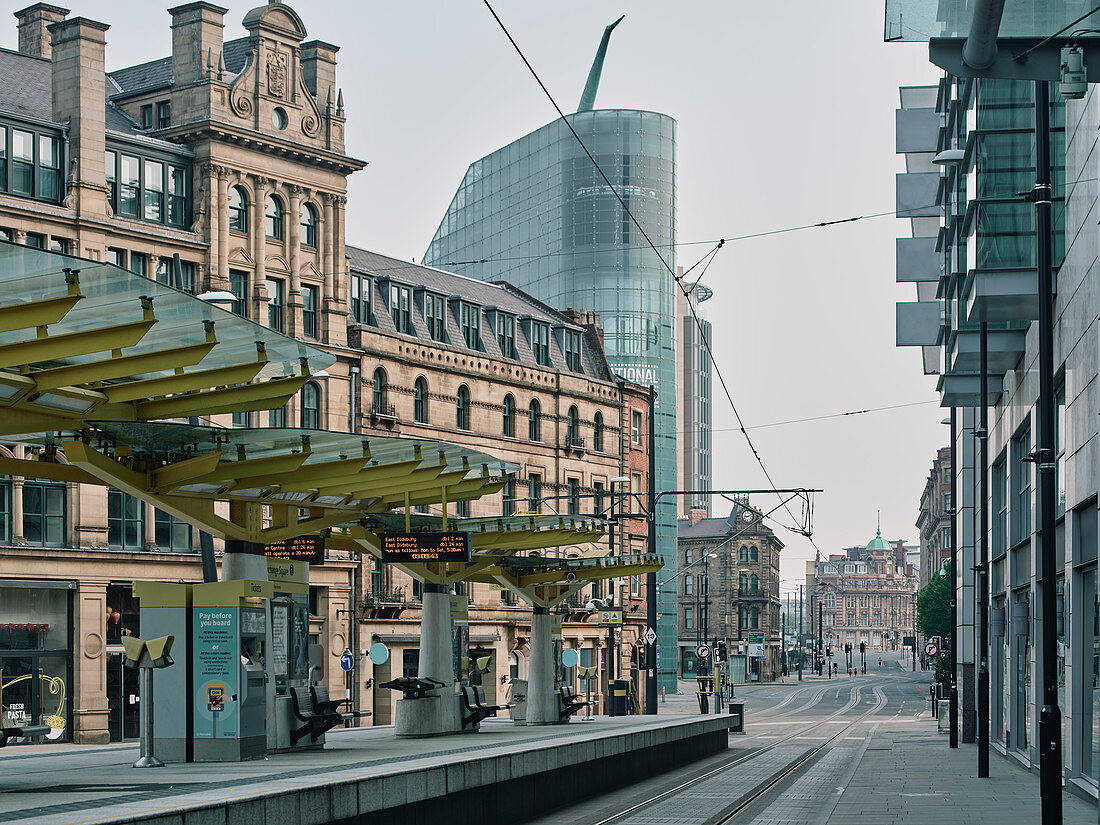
x,y
588,96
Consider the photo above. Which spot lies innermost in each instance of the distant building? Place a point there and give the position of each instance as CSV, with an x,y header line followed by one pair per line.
x,y
866,594
733,596
693,399
934,519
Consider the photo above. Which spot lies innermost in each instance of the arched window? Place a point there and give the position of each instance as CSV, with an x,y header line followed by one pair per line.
x,y
597,432
743,555
462,410
238,209
311,407
420,401
534,420
273,218
309,226
509,416
572,424
378,399
754,583
743,581
743,617
754,554
754,619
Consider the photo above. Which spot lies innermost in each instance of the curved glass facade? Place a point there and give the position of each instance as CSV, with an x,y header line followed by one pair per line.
x,y
538,215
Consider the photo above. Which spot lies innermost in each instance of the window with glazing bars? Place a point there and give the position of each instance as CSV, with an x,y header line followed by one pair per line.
x,y
470,315
1021,487
150,189
238,285
434,317
399,309
572,340
309,311
275,305
362,299
540,343
506,334
30,163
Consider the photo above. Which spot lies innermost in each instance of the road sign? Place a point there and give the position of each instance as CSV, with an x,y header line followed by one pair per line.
x,y
703,652
347,661
650,636
931,649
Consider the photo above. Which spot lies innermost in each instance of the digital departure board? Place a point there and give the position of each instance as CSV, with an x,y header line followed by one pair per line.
x,y
423,547
299,548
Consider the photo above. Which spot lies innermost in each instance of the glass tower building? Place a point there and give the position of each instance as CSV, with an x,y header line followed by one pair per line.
x,y
538,214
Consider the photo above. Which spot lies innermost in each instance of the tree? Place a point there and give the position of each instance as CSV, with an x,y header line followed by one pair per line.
x,y
934,605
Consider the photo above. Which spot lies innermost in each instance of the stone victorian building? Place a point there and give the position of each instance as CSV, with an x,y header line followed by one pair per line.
x,y
221,170
732,597
934,519
866,594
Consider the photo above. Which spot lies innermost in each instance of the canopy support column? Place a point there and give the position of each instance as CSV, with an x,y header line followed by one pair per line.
x,y
436,713
542,703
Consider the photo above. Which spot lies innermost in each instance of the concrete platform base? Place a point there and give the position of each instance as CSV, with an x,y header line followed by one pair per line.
x,y
499,776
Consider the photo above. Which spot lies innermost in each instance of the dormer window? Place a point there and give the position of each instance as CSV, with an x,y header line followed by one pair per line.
x,y
435,317
400,302
572,347
470,316
540,343
506,334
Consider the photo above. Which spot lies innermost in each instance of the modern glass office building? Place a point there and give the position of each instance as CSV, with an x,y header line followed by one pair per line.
x,y
538,214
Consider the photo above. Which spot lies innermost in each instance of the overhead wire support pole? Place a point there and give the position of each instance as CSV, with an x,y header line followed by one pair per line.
x,y
982,435
1050,717
953,698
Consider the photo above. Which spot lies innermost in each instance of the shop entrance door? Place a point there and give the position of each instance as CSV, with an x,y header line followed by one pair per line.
x,y
122,699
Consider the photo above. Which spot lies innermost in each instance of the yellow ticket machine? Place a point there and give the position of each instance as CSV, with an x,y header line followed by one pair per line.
x,y
231,645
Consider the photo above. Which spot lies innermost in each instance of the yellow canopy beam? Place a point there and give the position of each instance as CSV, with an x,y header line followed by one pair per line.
x,y
264,395
72,344
123,366
183,472
51,471
184,382
254,467
310,476
29,314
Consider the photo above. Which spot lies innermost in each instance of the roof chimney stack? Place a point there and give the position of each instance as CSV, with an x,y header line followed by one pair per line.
x,y
34,36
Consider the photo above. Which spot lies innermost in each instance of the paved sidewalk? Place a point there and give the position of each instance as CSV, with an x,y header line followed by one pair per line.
x,y
909,775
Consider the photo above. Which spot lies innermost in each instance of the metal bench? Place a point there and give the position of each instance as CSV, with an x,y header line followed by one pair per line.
x,y
473,700
318,713
570,703
25,731
413,687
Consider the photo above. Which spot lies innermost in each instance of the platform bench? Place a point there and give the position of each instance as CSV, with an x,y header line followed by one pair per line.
x,y
473,701
318,712
570,703
413,687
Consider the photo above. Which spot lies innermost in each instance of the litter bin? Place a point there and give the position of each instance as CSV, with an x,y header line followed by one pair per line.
x,y
518,701
617,704
737,717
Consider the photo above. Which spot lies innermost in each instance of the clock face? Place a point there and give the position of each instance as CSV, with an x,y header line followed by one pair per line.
x,y
746,515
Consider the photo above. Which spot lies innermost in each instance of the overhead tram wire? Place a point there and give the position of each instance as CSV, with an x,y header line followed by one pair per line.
x,y
649,241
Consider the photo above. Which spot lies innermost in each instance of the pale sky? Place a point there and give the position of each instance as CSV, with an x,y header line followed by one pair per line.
x,y
785,117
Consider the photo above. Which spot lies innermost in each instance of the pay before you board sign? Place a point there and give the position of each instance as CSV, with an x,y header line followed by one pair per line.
x,y
425,547
216,658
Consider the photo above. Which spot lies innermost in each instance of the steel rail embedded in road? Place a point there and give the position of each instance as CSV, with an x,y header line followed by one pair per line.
x,y
770,784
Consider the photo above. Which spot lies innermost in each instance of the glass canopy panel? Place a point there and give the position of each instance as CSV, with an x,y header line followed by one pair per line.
x,y
500,524
112,295
918,20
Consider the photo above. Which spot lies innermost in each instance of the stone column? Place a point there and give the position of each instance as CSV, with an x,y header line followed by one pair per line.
x,y
542,702
259,246
327,257
219,227
150,524
294,296
90,713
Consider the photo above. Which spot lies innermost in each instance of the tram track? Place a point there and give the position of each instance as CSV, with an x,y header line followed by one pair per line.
x,y
773,782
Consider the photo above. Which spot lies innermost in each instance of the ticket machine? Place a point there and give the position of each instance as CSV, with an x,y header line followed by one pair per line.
x,y
231,647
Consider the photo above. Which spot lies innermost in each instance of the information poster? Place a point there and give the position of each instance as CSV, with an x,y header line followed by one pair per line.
x,y
280,639
216,663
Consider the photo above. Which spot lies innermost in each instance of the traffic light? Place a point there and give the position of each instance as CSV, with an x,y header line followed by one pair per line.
x,y
828,650
721,648
863,647
641,656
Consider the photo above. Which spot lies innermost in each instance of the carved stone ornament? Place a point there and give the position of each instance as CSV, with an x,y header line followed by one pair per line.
x,y
276,74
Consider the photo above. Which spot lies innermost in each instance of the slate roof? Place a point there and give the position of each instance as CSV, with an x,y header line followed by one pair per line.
x,y
504,297
158,73
722,527
26,92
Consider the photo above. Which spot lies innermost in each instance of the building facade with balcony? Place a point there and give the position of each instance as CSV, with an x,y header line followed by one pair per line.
x,y
934,518
733,597
983,268
221,170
